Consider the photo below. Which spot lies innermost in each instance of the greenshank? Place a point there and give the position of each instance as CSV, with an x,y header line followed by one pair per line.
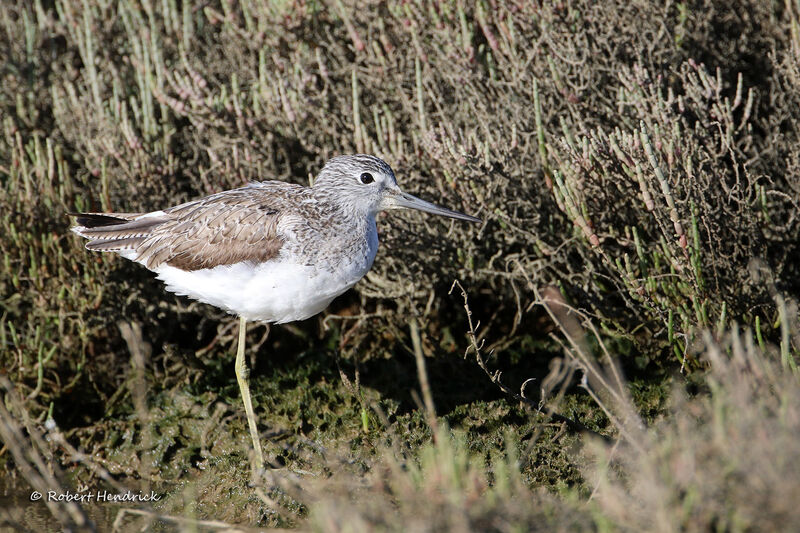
x,y
270,252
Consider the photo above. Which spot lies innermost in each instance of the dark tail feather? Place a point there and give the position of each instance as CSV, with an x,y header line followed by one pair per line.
x,y
95,220
115,232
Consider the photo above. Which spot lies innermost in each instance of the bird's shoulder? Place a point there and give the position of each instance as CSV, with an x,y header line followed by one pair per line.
x,y
265,197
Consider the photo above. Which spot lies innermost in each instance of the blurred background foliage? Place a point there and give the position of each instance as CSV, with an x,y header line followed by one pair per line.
x,y
642,157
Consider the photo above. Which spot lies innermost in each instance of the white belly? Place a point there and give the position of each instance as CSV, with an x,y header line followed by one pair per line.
x,y
277,291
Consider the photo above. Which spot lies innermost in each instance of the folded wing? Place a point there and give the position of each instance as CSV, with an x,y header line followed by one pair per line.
x,y
222,229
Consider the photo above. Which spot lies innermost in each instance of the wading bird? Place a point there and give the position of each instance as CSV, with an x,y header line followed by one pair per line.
x,y
270,251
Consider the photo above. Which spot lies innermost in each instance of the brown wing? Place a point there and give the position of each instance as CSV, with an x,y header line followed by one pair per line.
x,y
221,229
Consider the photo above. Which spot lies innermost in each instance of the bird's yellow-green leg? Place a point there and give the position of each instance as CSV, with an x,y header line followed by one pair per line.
x,y
241,377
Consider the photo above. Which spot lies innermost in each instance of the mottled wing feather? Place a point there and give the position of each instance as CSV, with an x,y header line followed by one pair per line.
x,y
222,229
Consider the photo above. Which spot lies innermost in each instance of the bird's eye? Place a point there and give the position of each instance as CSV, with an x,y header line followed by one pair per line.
x,y
366,178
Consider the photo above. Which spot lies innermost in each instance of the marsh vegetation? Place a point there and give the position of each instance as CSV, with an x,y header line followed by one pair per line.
x,y
614,348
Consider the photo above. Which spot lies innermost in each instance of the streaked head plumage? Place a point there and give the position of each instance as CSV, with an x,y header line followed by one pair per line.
x,y
357,182
350,167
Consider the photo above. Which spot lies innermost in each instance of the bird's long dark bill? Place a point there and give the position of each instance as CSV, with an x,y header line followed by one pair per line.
x,y
403,199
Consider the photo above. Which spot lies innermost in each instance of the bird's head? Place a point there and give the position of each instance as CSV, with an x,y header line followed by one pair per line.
x,y
366,184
